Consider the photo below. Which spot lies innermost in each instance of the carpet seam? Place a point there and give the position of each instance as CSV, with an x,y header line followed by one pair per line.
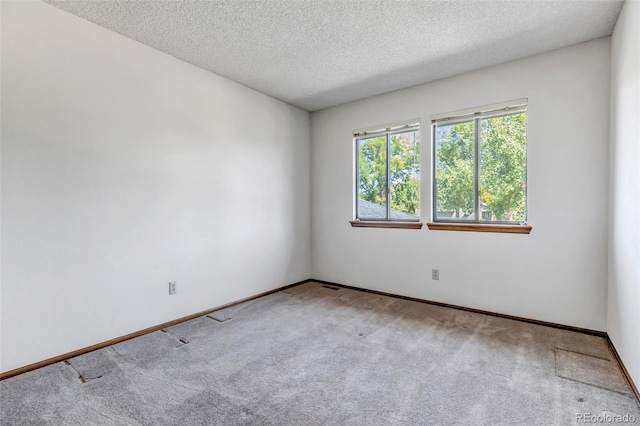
x,y
82,351
53,360
603,334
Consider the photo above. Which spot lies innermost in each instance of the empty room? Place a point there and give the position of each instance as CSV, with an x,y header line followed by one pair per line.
x,y
319,212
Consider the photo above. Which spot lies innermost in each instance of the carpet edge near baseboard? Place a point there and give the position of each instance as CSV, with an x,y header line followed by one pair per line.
x,y
78,352
597,333
623,368
82,351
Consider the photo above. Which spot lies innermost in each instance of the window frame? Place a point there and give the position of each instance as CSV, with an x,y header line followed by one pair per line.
x,y
370,133
476,115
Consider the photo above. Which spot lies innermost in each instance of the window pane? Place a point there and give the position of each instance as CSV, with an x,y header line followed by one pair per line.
x,y
372,179
455,171
503,168
405,176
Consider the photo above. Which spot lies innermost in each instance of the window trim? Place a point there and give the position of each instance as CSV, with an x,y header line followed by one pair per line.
x,y
466,115
480,227
372,132
385,224
483,111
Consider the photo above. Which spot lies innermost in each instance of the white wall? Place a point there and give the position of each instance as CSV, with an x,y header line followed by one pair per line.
x,y
557,273
0,190
624,235
123,169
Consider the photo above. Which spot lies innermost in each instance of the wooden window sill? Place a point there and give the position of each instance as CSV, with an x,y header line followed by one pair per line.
x,y
385,224
480,227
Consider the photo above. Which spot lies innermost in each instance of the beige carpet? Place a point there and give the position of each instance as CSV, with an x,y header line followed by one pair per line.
x,y
313,355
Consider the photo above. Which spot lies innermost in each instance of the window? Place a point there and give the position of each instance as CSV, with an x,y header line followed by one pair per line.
x,y
388,176
480,165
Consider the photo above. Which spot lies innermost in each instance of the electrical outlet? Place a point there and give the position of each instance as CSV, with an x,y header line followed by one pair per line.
x,y
173,287
435,274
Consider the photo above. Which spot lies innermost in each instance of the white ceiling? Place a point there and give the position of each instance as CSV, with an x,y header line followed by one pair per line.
x,y
320,53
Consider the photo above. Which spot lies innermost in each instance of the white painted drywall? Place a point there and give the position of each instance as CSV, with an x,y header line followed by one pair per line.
x,y
623,320
557,273
123,169
0,191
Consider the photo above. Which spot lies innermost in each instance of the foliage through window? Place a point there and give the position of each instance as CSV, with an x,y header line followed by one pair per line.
x,y
480,169
388,174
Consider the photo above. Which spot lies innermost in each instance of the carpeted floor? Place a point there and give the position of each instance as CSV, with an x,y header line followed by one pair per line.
x,y
313,355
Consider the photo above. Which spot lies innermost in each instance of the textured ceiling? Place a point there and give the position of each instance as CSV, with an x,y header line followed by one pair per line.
x,y
320,53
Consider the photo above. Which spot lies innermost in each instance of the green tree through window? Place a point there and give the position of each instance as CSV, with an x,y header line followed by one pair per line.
x,y
503,167
389,174
481,167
